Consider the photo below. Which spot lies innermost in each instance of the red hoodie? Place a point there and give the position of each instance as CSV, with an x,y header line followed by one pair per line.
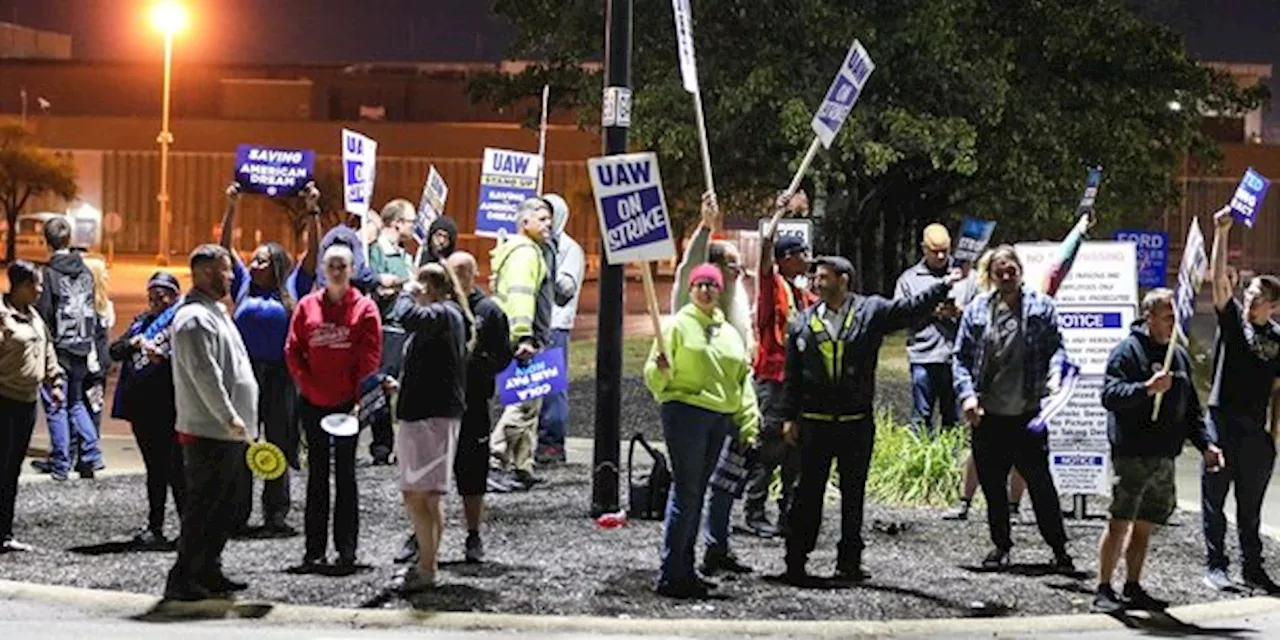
x,y
332,348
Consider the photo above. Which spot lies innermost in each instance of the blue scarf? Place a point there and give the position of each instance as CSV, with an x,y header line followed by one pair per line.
x,y
157,333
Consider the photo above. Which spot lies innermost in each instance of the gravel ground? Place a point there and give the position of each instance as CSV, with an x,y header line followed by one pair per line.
x,y
546,557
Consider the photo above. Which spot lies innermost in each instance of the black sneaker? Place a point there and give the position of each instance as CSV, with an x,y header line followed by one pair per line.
x,y
42,466
145,538
549,455
221,584
475,549
1258,580
759,526
851,573
187,593
692,590
408,551
997,559
277,530
1062,563
1138,598
527,479
797,576
714,562
958,512
1106,601
1218,580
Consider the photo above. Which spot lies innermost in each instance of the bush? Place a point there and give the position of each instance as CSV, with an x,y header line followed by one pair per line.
x,y
909,469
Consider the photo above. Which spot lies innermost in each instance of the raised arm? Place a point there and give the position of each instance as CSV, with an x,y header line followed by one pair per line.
x,y
696,253
229,216
1222,290
311,197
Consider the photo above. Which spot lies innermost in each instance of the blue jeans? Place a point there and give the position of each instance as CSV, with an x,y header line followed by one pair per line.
x,y
715,534
932,382
1250,454
553,422
73,413
693,437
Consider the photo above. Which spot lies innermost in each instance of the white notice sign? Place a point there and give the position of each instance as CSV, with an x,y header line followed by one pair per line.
x,y
1104,271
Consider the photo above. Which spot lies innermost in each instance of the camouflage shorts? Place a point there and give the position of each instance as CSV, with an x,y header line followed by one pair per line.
x,y
1143,489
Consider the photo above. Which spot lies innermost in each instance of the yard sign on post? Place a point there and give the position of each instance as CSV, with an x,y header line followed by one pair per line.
x,y
633,217
835,109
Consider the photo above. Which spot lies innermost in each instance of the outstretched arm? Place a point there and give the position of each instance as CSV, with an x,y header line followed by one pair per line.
x,y
1222,290
229,216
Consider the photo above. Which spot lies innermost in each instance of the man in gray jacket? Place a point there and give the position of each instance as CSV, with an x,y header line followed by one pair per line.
x,y
569,267
216,398
932,338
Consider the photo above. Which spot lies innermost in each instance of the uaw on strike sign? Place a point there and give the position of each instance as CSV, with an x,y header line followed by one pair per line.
x,y
1096,304
632,208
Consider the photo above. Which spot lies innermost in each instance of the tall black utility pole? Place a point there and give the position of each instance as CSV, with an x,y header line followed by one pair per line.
x,y
616,118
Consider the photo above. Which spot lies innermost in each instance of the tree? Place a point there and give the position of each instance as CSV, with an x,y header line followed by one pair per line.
x,y
975,108
26,170
329,182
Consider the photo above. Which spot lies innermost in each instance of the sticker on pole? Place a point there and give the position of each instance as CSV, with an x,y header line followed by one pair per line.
x,y
632,208
543,375
273,172
1153,255
359,162
843,93
1249,196
684,44
434,194
507,178
975,235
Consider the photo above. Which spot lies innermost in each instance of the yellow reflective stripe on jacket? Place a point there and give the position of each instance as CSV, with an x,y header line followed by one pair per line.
x,y
832,350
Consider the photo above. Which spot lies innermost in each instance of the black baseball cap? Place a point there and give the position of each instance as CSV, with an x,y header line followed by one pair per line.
x,y
788,245
836,263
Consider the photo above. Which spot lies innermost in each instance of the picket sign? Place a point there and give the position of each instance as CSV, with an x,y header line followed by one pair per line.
x,y
435,192
1247,200
359,170
832,113
542,136
1191,272
689,77
272,171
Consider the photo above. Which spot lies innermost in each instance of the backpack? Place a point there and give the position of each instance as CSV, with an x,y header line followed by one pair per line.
x,y
74,318
648,493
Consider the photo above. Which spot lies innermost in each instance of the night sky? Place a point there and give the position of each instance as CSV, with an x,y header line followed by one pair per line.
x,y
423,30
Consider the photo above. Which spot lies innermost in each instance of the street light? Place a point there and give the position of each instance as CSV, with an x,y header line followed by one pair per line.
x,y
169,18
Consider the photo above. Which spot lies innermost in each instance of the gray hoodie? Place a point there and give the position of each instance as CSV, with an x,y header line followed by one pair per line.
x,y
213,379
570,267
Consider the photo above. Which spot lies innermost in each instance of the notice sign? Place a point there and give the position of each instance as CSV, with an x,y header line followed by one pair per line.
x,y
1153,255
431,206
975,235
1104,272
1248,198
1081,472
632,208
843,93
507,178
359,162
1090,333
273,172
543,375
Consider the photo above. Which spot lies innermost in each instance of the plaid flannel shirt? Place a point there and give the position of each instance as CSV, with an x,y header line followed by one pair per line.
x,y
1044,351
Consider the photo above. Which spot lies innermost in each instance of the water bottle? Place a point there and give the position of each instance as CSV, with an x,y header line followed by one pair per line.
x,y
612,520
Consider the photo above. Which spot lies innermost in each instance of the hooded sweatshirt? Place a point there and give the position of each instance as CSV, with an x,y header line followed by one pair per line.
x,y
569,270
66,304
710,368
435,363
333,347
446,224
493,349
1129,406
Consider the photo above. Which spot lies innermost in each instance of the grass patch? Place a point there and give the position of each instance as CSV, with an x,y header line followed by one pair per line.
x,y
582,358
915,470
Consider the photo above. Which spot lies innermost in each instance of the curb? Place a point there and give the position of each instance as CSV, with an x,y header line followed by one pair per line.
x,y
124,604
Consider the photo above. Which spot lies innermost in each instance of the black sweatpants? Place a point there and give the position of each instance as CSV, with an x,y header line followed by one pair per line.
x,y
346,506
214,489
850,444
774,452
278,419
1001,443
162,457
17,421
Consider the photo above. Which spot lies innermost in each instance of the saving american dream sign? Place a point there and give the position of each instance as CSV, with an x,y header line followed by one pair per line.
x,y
507,178
543,375
273,172
632,208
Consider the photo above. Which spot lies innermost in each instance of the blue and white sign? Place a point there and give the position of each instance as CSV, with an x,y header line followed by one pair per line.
x,y
1091,183
843,93
975,235
507,178
544,374
632,208
1153,255
1248,198
359,169
1090,333
434,194
273,172
1081,472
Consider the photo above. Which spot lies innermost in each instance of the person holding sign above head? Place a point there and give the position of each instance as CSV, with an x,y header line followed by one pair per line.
x,y
266,291
703,383
1008,344
1246,365
828,394
393,265
523,289
932,338
433,310
779,301
334,344
701,249
1143,449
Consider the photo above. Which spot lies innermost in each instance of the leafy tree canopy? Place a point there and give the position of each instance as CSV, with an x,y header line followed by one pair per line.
x,y
27,170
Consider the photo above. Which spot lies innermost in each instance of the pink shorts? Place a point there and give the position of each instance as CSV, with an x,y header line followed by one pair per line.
x,y
425,450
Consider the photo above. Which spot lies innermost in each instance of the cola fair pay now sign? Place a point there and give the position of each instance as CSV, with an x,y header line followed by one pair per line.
x,y
632,208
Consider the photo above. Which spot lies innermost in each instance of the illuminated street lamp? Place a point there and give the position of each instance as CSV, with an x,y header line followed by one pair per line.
x,y
169,18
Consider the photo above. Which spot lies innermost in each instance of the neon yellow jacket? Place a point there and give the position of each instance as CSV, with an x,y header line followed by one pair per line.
x,y
519,270
710,368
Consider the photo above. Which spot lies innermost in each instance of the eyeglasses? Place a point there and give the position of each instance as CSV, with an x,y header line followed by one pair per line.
x,y
706,284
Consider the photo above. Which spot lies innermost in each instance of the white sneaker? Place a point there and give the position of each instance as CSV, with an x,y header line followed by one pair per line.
x,y
12,545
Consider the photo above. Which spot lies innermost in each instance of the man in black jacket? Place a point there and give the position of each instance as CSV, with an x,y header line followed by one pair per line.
x,y
491,355
828,389
1143,449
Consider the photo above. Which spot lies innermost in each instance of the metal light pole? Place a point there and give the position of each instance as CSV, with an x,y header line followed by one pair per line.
x,y
616,119
169,18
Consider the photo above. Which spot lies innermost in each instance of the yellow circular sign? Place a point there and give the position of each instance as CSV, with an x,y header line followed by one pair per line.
x,y
265,460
